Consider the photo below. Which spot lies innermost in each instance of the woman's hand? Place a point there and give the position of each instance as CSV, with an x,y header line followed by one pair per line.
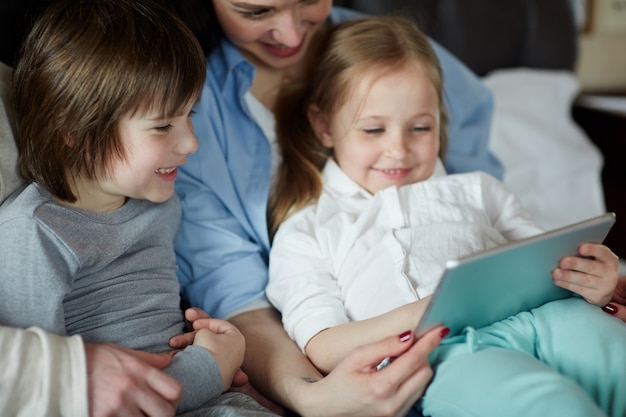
x,y
617,306
593,275
126,382
356,388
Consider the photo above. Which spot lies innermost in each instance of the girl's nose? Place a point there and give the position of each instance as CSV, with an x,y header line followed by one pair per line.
x,y
397,147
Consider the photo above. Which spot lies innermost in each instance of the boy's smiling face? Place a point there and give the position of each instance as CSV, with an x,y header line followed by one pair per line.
x,y
154,147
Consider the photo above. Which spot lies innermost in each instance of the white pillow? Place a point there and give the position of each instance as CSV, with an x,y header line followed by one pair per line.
x,y
550,164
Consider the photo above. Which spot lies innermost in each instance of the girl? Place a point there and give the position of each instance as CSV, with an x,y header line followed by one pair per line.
x,y
368,231
102,95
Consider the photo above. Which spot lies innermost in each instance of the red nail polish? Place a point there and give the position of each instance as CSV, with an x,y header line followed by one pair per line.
x,y
610,308
405,336
444,332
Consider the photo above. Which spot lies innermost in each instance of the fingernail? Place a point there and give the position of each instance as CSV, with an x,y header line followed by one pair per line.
x,y
610,308
405,336
444,332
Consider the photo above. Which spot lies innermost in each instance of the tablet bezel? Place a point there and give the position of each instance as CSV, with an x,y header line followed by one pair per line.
x,y
471,292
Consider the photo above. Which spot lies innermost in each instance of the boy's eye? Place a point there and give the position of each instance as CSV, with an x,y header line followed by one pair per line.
x,y
164,128
374,130
422,128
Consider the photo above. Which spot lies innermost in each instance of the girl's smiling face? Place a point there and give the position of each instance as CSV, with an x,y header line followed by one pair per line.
x,y
154,147
272,33
387,132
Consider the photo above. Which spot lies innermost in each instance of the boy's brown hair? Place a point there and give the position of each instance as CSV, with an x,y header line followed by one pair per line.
x,y
84,65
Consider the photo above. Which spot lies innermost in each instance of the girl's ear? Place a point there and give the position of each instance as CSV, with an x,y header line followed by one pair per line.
x,y
320,125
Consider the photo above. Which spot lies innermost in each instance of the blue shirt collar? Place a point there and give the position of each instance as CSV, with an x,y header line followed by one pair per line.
x,y
225,60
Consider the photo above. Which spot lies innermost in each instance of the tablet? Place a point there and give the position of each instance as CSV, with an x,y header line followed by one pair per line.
x,y
490,286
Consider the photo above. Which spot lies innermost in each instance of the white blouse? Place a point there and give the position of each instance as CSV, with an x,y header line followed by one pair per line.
x,y
353,256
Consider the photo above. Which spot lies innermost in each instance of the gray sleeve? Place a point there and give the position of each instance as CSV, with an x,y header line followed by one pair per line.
x,y
196,369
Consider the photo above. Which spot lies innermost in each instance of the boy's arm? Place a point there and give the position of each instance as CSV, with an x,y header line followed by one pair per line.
x,y
35,275
206,368
198,372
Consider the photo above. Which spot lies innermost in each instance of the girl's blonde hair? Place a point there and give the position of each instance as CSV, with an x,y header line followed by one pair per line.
x,y
350,51
84,65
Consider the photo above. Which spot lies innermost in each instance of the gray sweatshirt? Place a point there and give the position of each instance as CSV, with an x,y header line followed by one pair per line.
x,y
110,277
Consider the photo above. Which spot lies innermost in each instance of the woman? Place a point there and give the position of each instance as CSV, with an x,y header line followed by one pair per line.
x,y
222,250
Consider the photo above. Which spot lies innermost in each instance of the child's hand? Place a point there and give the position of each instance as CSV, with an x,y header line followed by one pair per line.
x,y
199,320
227,345
593,275
196,319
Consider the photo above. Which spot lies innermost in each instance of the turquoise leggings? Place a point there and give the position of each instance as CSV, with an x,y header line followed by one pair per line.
x,y
566,358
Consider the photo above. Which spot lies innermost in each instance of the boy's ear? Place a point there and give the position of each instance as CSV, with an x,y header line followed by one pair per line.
x,y
320,125
67,138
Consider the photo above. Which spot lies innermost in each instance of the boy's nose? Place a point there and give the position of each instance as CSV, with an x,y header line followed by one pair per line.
x,y
188,143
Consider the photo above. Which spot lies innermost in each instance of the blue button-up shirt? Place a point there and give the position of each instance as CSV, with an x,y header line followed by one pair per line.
x,y
223,245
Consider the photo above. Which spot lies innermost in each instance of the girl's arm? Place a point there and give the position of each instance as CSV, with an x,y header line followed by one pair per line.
x,y
330,346
277,367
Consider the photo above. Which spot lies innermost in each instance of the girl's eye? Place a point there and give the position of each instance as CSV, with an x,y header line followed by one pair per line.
x,y
422,128
309,2
374,131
